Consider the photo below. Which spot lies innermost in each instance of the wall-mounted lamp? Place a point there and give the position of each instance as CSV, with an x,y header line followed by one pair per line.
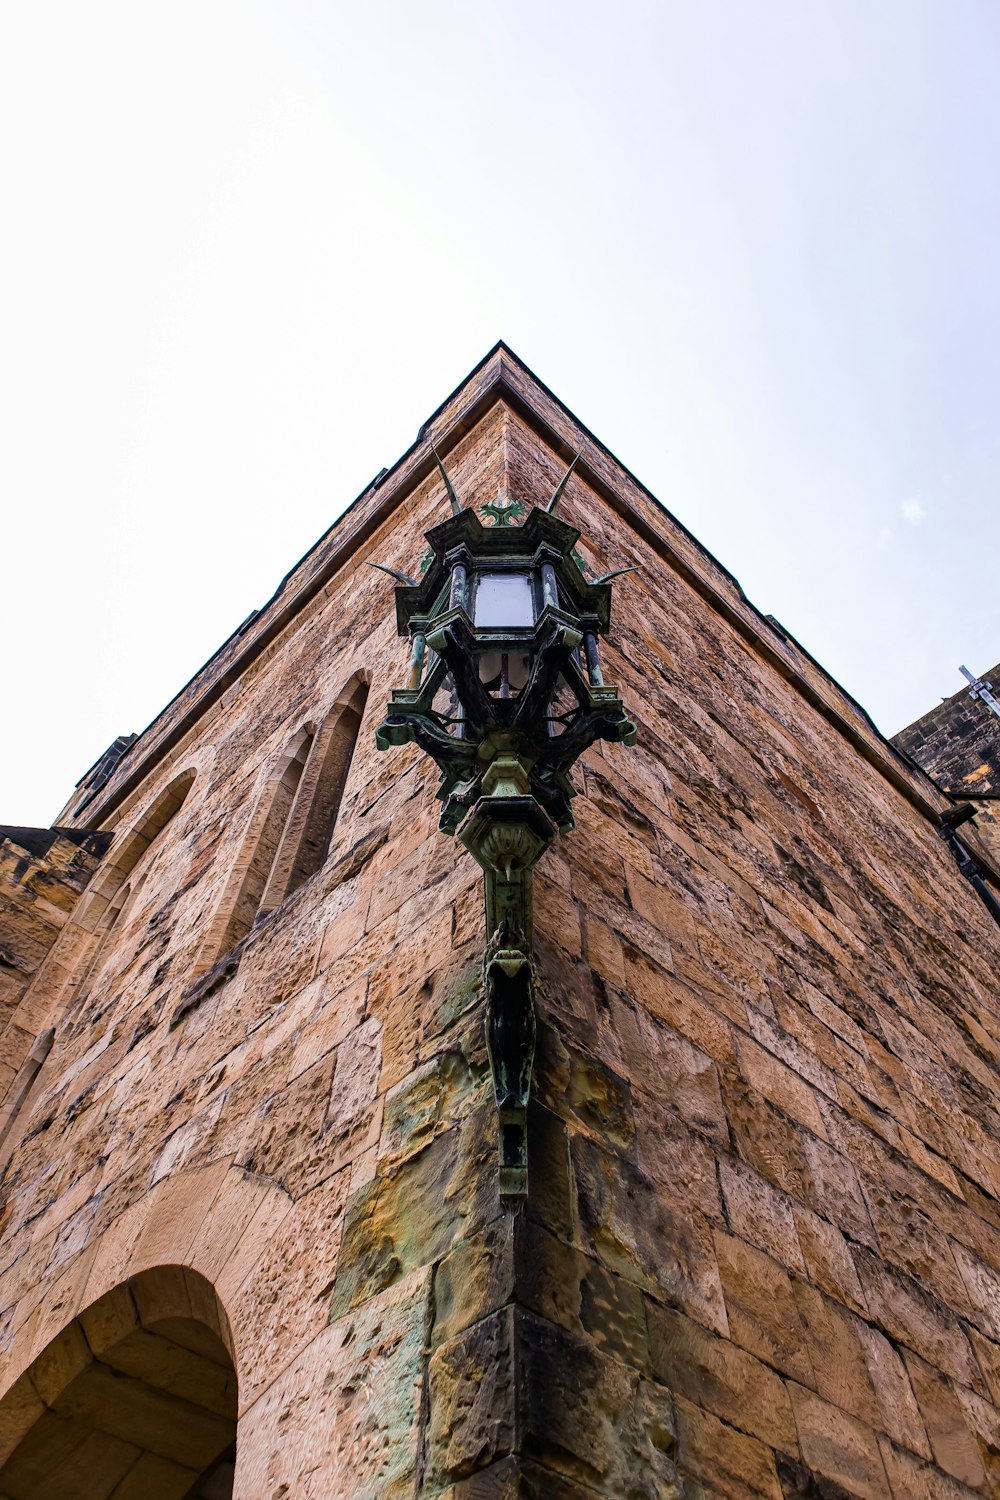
x,y
505,691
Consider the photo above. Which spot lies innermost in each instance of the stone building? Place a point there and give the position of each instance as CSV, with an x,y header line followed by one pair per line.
x,y
958,744
253,1239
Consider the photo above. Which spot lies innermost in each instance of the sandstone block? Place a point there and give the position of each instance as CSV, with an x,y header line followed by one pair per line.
x,y
285,1300
914,1479
730,1465
828,1259
720,1377
666,1255
343,1418
900,1415
472,1398
759,1214
954,1447
423,1105
763,1314
415,1213
907,1314
591,1418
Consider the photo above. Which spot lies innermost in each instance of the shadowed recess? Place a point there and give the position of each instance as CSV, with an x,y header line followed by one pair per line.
x,y
134,1400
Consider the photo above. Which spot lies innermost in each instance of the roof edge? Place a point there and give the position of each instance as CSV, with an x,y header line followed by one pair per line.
x,y
502,376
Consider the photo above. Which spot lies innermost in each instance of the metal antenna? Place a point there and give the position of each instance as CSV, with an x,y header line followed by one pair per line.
x,y
981,690
456,505
395,573
557,496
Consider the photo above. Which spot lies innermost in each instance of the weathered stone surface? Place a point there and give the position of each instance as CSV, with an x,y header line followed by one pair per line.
x,y
954,1447
591,1417
414,1213
477,1277
473,1398
838,1447
727,1463
424,1104
286,1295
624,1226
575,1291
343,1419
725,1381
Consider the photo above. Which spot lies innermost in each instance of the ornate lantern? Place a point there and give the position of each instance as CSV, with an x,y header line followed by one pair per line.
x,y
505,691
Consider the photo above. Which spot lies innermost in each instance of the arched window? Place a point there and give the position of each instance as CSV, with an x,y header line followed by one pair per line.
x,y
264,839
311,822
117,883
289,835
107,894
120,900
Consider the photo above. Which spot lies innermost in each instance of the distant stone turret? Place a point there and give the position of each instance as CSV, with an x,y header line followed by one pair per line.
x,y
958,744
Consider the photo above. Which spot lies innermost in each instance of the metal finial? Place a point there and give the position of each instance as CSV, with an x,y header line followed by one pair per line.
x,y
456,505
557,495
503,510
395,573
615,573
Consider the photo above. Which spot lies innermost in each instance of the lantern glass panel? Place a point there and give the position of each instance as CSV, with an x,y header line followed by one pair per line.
x,y
504,601
504,671
518,667
563,707
446,704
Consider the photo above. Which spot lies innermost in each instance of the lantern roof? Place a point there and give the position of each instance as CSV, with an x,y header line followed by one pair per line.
x,y
542,538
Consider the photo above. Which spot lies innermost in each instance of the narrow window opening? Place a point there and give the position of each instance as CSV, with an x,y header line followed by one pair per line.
x,y
104,903
122,901
264,843
289,836
333,772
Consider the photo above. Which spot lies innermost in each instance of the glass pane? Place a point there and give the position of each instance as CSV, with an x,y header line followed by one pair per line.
x,y
489,669
504,599
518,668
446,700
563,707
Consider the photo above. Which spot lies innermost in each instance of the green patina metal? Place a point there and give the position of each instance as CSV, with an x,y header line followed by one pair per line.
x,y
505,692
504,511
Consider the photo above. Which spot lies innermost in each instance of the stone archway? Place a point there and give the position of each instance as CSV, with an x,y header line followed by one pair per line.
x,y
135,1399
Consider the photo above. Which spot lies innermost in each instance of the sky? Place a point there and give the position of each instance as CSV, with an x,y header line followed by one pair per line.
x,y
249,247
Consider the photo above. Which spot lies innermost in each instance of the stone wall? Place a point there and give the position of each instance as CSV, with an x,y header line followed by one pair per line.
x,y
760,1253
42,874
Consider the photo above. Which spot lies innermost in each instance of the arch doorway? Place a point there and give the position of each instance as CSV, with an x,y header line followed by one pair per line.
x,y
134,1400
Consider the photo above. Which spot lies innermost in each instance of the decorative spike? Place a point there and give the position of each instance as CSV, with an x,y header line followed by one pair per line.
x,y
456,505
557,495
395,573
615,573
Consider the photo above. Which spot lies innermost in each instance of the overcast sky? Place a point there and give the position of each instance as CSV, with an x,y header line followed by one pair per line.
x,y
248,248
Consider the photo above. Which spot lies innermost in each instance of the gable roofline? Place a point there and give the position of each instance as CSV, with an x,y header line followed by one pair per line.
x,y
500,376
